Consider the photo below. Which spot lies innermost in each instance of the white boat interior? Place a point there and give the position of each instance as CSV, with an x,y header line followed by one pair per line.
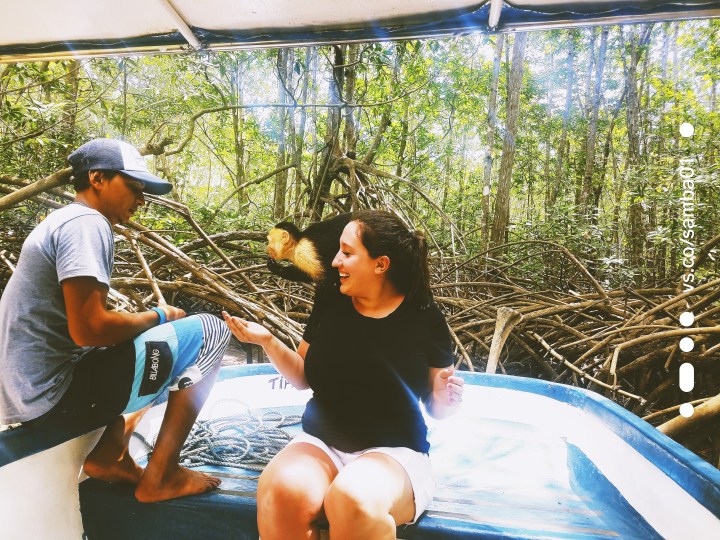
x,y
523,459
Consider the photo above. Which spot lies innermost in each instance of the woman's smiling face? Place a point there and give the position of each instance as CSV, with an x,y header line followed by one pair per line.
x,y
358,270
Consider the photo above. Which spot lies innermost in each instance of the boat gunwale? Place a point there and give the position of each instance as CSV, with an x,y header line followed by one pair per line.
x,y
669,456
697,477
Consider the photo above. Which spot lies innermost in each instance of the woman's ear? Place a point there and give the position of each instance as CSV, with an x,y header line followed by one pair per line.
x,y
382,263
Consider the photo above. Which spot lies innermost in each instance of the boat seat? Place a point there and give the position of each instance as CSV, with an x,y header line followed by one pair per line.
x,y
18,442
111,512
43,469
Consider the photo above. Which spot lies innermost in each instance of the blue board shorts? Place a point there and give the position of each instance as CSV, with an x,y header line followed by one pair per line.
x,y
110,381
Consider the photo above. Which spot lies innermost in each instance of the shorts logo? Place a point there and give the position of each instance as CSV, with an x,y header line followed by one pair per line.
x,y
158,365
185,382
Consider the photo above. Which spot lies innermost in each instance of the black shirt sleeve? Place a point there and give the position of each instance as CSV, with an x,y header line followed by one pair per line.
x,y
439,341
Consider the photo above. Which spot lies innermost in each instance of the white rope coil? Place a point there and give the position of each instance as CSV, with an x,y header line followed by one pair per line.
x,y
245,440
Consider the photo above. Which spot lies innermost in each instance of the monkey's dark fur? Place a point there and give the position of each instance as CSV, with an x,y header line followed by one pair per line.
x,y
312,251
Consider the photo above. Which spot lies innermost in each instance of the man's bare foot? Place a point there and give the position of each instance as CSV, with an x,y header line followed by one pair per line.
x,y
125,470
179,482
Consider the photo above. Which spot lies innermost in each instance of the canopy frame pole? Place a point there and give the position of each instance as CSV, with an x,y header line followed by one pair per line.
x,y
182,26
494,15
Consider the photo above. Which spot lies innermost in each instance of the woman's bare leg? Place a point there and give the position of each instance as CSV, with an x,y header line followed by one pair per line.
x,y
369,498
291,491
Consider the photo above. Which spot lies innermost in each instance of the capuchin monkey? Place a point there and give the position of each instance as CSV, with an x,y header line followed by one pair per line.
x,y
311,251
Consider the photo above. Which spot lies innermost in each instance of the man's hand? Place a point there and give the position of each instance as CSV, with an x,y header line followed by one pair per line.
x,y
172,313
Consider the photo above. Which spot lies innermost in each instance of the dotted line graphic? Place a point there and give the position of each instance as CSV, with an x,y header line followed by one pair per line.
x,y
687,370
686,375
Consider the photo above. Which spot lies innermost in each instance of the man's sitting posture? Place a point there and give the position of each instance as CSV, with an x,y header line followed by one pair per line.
x,y
69,363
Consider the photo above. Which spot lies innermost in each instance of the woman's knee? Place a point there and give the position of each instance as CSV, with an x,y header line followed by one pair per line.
x,y
346,500
288,488
372,489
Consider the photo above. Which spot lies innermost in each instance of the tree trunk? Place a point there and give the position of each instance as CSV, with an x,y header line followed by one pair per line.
x,y
585,106
385,118
603,168
502,200
313,171
70,109
562,145
350,134
298,146
587,184
490,141
331,150
635,46
238,121
283,99
547,180
403,140
449,159
664,83
464,173
675,71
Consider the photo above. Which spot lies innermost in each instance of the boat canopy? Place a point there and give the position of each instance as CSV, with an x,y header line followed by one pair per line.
x,y
52,30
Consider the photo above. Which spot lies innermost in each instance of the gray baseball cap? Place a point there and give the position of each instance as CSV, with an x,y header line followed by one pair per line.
x,y
115,155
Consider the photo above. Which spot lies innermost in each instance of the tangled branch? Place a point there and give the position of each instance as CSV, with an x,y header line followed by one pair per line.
x,y
621,342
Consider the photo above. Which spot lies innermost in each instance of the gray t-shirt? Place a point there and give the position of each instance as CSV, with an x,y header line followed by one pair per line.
x,y
37,354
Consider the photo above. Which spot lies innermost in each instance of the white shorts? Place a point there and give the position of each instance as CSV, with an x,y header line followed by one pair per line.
x,y
416,465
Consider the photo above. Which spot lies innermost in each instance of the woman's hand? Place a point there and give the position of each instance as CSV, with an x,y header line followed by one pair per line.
x,y
448,388
447,392
247,331
290,364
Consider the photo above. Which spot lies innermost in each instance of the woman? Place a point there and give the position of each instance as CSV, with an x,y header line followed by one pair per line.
x,y
369,357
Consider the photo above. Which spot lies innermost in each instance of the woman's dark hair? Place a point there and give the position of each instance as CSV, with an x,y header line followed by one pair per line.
x,y
383,233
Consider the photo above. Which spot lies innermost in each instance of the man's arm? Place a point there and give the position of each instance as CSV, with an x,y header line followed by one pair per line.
x,y
92,325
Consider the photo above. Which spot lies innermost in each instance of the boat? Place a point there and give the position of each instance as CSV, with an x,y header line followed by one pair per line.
x,y
524,458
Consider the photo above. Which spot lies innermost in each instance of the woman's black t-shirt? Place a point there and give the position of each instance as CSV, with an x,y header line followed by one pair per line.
x,y
368,374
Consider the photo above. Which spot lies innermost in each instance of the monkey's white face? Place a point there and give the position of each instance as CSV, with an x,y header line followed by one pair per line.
x,y
278,244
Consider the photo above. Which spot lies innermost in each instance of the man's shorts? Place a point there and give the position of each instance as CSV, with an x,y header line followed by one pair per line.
x,y
110,381
416,465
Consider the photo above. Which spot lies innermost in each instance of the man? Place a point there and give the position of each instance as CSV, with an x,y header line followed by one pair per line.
x,y
69,363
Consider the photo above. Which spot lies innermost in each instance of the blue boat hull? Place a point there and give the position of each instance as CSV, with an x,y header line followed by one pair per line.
x,y
523,459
